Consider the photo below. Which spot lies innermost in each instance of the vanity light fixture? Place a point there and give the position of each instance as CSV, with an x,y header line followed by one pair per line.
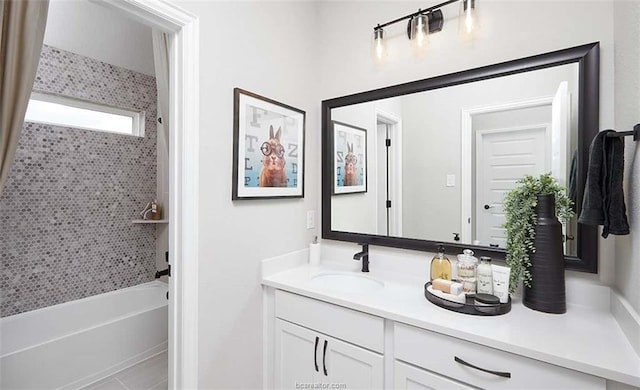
x,y
425,22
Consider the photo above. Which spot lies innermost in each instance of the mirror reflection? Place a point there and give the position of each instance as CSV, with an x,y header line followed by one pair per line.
x,y
436,164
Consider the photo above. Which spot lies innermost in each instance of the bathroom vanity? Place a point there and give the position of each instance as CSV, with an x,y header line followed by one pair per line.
x,y
334,324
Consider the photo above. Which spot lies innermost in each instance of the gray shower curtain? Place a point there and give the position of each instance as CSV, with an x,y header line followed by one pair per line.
x,y
22,24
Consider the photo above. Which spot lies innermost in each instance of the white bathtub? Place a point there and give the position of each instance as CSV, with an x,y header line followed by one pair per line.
x,y
76,343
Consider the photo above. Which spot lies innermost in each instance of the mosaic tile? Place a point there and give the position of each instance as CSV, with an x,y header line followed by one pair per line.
x,y
68,203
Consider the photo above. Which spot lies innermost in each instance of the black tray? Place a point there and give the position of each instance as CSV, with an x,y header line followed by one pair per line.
x,y
469,307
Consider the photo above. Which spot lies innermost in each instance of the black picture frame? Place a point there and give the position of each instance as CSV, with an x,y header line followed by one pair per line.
x,y
349,139
587,57
267,129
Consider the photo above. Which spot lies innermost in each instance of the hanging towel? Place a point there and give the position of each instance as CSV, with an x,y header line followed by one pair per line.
x,y
603,202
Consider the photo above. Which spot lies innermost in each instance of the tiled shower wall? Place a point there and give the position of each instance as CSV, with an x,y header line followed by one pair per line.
x,y
67,207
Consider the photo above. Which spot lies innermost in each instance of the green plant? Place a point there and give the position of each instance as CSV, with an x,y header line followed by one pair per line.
x,y
520,211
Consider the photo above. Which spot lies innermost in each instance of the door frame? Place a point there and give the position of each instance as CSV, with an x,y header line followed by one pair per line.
x,y
467,158
184,99
395,128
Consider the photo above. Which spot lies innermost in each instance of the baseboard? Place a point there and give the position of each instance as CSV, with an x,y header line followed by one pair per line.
x,y
97,377
627,318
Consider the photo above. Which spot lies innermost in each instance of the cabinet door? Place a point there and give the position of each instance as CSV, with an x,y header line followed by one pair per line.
x,y
349,365
413,378
295,349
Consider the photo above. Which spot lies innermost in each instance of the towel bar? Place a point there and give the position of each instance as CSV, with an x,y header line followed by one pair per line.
x,y
619,134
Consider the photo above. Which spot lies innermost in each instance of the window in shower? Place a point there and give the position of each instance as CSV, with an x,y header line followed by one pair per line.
x,y
64,111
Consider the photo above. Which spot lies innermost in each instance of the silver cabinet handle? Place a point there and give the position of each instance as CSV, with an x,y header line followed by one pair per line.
x,y
498,373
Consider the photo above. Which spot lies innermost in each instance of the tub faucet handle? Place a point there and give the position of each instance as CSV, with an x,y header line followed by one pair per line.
x,y
164,272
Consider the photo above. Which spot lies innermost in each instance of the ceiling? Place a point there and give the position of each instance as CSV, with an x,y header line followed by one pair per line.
x,y
92,30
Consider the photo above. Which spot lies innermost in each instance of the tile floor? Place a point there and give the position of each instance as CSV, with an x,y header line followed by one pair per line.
x,y
150,374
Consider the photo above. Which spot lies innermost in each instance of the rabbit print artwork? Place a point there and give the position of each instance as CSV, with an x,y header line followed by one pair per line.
x,y
268,148
350,161
273,172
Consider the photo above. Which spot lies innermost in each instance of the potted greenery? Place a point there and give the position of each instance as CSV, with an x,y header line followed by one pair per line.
x,y
520,211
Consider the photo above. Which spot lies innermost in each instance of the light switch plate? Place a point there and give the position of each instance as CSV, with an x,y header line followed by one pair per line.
x,y
451,180
311,219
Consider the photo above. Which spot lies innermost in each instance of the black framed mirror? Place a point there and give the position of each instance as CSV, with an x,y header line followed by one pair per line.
x,y
415,164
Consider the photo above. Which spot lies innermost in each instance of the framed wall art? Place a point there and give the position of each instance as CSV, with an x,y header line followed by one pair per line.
x,y
350,159
268,148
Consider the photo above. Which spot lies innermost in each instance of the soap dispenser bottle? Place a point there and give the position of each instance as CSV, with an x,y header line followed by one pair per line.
x,y
440,265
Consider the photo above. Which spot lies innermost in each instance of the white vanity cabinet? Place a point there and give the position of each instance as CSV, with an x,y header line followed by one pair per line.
x,y
306,354
477,365
394,338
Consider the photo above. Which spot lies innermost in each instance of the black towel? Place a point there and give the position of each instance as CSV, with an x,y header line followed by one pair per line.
x,y
603,202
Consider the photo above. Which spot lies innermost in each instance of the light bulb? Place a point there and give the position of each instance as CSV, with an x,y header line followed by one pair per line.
x,y
419,32
468,18
379,48
468,22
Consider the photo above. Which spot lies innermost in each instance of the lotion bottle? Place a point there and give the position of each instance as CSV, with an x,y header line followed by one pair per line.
x,y
440,266
485,276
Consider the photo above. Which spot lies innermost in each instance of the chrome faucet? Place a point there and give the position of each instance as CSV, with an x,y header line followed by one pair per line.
x,y
364,256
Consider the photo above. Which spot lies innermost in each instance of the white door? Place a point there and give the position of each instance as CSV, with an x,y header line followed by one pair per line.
x,y
351,366
502,157
412,378
296,350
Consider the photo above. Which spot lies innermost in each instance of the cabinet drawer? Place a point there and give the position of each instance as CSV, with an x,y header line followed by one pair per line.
x,y
408,377
339,322
438,353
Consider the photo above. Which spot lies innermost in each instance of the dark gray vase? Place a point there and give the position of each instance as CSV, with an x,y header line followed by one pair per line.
x,y
547,292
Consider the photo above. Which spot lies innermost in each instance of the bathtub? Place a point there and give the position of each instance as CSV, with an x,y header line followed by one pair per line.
x,y
76,343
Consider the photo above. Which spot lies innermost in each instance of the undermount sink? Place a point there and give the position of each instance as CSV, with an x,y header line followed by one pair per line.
x,y
348,283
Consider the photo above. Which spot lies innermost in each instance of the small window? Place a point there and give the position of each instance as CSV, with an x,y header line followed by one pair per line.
x,y
64,111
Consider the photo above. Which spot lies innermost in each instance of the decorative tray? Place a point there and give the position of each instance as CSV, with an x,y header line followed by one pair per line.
x,y
469,307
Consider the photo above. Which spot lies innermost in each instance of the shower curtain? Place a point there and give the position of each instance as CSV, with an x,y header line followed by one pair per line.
x,y
22,24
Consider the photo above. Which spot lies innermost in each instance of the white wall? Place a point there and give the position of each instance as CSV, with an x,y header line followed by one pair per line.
x,y
266,48
627,111
91,30
510,30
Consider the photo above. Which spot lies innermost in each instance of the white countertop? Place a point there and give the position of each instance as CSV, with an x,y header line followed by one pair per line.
x,y
585,339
